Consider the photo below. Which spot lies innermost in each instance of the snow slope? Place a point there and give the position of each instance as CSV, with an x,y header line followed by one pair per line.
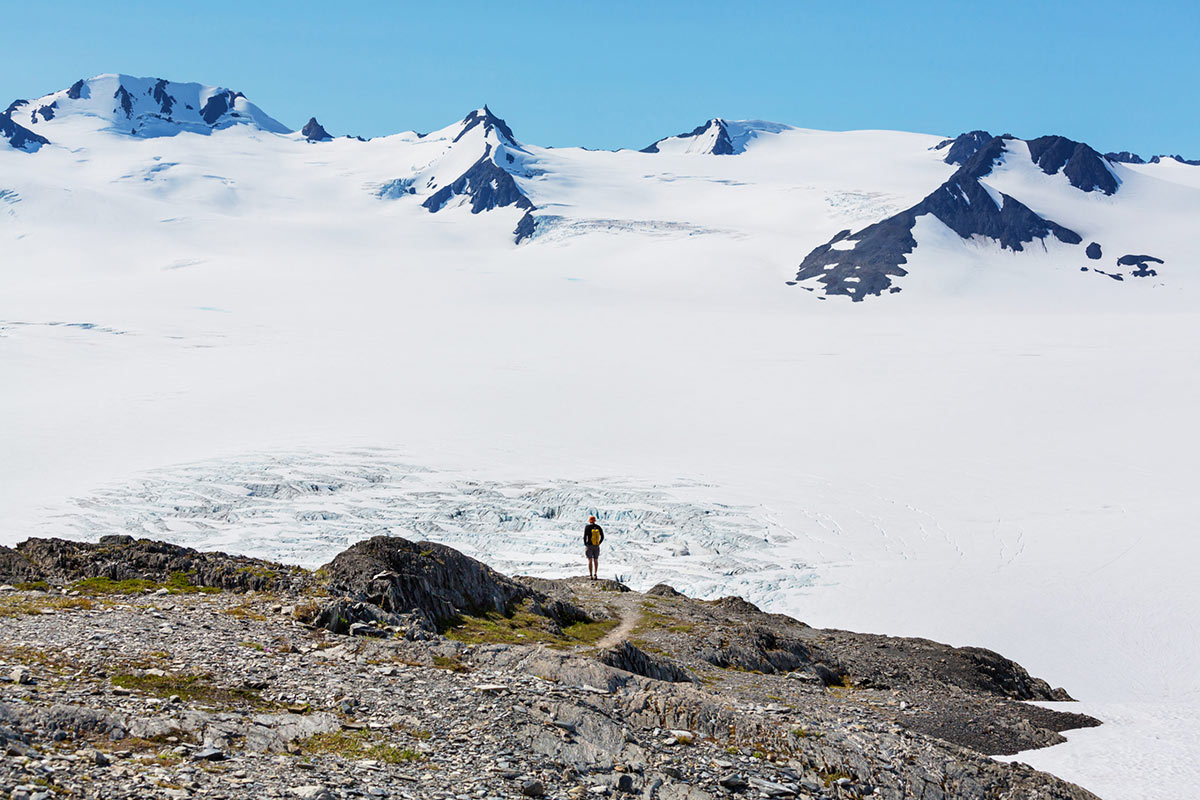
x,y
239,338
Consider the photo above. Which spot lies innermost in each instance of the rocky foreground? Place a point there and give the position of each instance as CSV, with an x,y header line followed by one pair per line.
x,y
138,669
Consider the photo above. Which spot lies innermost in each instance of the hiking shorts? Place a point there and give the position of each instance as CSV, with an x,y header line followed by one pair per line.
x,y
592,550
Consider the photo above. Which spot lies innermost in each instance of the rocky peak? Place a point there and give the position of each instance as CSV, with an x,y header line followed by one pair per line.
x,y
491,124
1086,169
710,138
1125,157
963,146
314,132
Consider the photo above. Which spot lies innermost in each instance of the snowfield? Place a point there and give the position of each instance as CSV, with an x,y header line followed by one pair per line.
x,y
243,340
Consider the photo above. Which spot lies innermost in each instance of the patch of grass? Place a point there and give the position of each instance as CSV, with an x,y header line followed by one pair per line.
x,y
805,733
178,583
32,606
253,646
652,619
33,586
357,745
33,656
307,612
590,632
195,687
454,664
829,777
523,627
245,611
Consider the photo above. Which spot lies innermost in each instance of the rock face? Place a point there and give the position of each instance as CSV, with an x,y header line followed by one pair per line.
x,y
862,264
1086,169
486,186
1125,157
19,137
963,146
488,183
314,132
438,582
122,558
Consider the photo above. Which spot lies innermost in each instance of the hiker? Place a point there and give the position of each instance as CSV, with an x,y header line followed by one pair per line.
x,y
593,535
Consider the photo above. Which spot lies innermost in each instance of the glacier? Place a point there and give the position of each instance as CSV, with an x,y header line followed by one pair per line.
x,y
236,337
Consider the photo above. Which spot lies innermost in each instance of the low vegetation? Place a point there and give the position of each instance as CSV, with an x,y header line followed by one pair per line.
x,y
356,746
18,605
525,627
194,687
178,583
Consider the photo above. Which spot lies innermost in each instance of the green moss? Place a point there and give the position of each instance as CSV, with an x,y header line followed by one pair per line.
x,y
805,733
836,775
357,745
453,664
654,619
32,586
522,627
15,606
197,687
178,583
245,611
590,632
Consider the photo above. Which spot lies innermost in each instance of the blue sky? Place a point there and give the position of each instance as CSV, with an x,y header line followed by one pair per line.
x,y
622,74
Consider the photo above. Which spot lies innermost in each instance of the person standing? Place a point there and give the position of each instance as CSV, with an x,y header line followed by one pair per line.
x,y
593,535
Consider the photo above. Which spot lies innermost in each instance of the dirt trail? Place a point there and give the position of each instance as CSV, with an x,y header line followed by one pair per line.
x,y
631,615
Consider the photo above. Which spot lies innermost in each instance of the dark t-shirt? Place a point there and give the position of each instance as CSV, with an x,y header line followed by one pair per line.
x,y
591,540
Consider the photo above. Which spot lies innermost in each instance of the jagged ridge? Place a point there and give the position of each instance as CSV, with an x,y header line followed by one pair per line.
x,y
962,203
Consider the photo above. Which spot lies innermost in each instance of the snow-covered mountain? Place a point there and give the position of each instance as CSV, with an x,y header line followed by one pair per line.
x,y
141,107
863,214
220,330
717,137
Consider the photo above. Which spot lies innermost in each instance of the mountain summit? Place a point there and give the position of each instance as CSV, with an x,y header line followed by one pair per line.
x,y
717,137
142,107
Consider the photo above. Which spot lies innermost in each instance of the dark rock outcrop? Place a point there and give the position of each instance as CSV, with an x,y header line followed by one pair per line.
x,y
218,105
963,146
398,576
490,122
962,203
78,89
1086,169
438,582
1142,263
165,101
314,132
1094,252
18,136
121,558
628,657
485,184
1125,157
124,100
1177,157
